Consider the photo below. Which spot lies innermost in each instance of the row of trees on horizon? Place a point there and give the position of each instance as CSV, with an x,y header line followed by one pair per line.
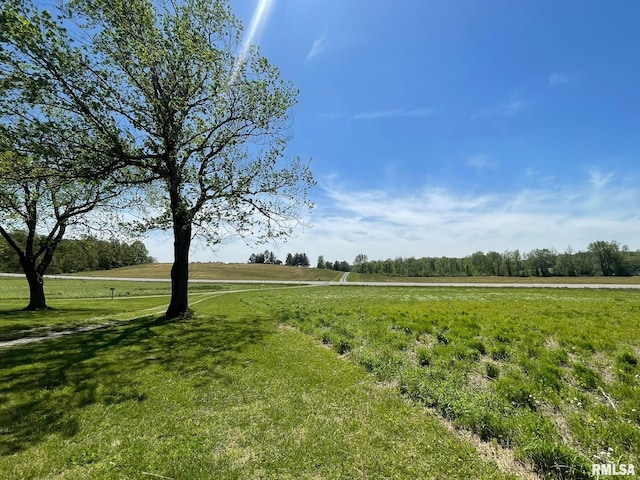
x,y
79,255
605,258
298,260
292,260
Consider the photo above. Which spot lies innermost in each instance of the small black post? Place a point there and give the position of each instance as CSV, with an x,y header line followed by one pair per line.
x,y
112,290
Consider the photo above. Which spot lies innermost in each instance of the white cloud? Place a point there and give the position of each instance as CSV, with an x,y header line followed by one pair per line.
x,y
558,79
441,222
508,109
319,46
396,113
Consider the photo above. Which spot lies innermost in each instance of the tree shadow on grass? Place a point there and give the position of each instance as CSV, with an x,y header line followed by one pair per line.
x,y
18,323
44,386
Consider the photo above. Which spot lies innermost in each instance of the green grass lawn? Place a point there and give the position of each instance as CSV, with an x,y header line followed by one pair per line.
x,y
552,374
228,394
78,302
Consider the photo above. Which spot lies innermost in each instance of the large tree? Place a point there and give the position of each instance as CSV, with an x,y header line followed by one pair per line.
x,y
166,89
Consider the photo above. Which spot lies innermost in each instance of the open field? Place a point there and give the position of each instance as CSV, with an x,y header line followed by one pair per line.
x,y
552,374
613,280
229,394
91,303
223,271
244,271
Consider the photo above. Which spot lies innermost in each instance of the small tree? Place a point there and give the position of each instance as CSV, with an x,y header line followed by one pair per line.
x,y
36,198
321,263
360,260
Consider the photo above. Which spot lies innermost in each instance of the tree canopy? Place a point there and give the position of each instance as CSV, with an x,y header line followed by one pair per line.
x,y
163,92
37,197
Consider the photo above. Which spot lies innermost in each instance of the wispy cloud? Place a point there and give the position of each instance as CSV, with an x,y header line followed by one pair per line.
x,y
508,109
319,46
440,221
599,179
437,221
396,113
557,78
481,161
330,115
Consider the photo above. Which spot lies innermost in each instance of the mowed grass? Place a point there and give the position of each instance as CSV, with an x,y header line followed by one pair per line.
x,y
228,394
552,374
80,302
244,271
223,271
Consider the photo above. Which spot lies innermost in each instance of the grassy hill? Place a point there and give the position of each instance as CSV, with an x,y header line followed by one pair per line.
x,y
222,271
246,271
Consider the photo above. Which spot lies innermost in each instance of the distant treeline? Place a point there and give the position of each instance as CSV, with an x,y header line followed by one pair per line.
x,y
292,260
297,260
80,255
601,258
342,266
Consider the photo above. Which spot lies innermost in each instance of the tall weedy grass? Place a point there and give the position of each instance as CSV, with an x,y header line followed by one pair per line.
x,y
552,374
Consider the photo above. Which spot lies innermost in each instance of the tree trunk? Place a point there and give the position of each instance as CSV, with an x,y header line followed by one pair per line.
x,y
37,299
179,305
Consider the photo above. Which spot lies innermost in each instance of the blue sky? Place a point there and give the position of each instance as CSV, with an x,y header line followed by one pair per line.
x,y
451,126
